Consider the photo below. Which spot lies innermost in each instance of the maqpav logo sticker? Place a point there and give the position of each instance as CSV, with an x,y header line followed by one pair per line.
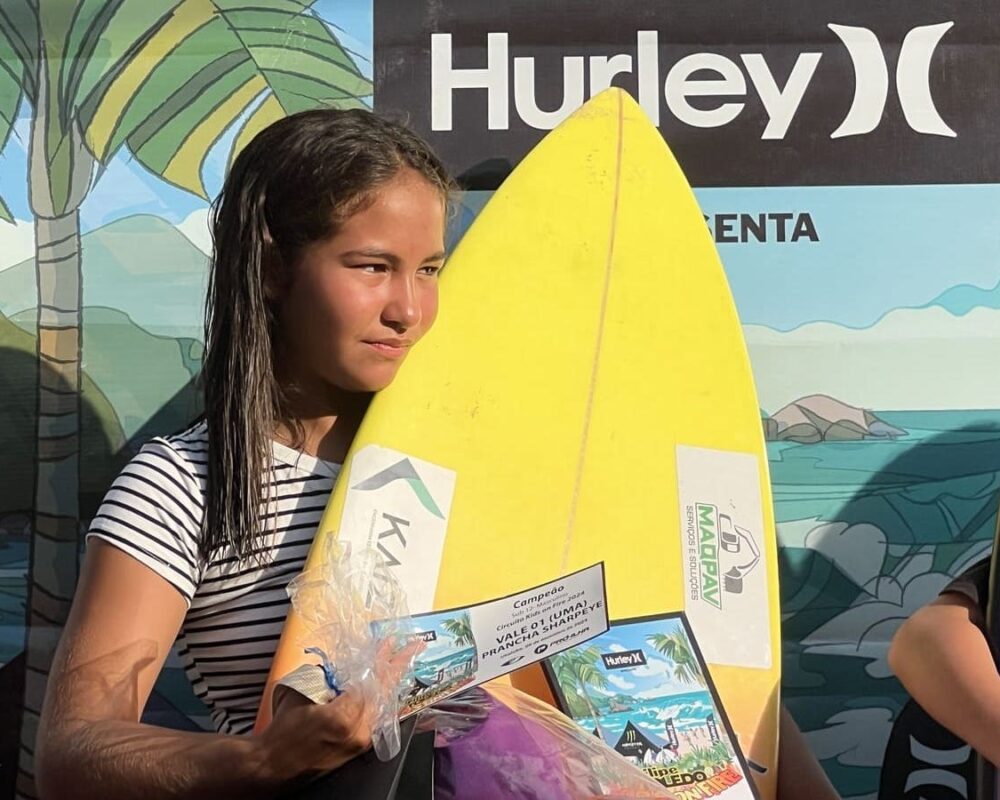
x,y
725,577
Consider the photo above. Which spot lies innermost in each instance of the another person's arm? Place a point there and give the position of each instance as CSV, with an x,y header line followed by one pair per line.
x,y
941,656
90,742
800,775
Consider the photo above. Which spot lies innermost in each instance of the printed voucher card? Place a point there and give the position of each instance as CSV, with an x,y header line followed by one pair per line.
x,y
644,688
465,647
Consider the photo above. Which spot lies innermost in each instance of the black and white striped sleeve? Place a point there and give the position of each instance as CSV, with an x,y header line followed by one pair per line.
x,y
153,511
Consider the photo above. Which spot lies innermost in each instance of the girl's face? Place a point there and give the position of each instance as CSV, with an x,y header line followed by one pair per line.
x,y
358,301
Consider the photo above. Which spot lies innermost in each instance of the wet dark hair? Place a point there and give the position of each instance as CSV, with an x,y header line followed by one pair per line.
x,y
295,183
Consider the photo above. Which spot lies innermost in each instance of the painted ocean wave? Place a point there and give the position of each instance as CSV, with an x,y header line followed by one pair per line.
x,y
428,670
687,711
868,532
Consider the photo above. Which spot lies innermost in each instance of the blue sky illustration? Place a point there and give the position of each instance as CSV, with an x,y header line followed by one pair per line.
x,y
880,248
445,642
655,678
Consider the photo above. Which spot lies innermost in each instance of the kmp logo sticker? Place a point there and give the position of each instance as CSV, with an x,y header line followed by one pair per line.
x,y
725,553
398,505
701,90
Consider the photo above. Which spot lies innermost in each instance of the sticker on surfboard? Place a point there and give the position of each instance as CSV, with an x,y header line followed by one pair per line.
x,y
722,553
399,505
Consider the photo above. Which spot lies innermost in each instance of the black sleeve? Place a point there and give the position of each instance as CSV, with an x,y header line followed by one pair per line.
x,y
974,583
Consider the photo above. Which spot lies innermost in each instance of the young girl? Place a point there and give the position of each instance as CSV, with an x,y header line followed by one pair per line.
x,y
329,237
328,242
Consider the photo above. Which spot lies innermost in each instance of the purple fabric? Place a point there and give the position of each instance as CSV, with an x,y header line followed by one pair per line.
x,y
506,757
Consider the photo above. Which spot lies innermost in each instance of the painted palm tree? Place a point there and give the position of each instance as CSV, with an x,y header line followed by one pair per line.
x,y
460,629
578,670
163,80
676,647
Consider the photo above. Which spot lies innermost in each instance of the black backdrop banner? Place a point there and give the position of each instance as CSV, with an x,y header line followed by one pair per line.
x,y
793,93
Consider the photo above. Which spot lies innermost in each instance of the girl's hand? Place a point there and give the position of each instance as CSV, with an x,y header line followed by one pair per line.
x,y
306,739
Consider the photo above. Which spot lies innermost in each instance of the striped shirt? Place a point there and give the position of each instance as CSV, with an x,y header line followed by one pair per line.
x,y
154,512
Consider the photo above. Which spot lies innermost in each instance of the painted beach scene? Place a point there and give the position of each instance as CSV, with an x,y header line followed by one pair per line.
x,y
644,689
448,662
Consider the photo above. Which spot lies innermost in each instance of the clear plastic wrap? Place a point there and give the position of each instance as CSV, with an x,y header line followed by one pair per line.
x,y
360,629
503,744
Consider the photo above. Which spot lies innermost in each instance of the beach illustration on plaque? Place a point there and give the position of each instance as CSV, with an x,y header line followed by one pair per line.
x,y
643,688
448,661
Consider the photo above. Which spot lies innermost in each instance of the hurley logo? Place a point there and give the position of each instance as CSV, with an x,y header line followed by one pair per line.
x,y
871,80
715,83
402,471
624,659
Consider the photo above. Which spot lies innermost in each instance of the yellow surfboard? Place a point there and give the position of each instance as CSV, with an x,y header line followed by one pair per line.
x,y
584,396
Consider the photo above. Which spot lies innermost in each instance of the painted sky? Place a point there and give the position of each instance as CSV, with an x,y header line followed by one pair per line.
x,y
880,248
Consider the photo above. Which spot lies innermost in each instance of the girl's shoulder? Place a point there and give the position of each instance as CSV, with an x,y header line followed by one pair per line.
x,y
192,441
154,509
181,456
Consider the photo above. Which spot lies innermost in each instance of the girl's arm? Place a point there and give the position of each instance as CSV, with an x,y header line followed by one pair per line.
x,y
941,656
90,742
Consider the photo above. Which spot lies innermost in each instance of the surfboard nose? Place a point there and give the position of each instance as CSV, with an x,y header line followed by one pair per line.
x,y
616,102
606,102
